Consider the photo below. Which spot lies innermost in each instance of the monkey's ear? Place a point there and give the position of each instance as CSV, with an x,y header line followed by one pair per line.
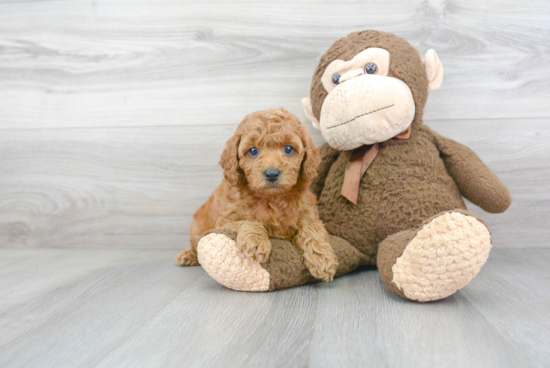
x,y
306,103
434,70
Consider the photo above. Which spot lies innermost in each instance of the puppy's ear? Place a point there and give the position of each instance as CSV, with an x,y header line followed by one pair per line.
x,y
312,157
229,161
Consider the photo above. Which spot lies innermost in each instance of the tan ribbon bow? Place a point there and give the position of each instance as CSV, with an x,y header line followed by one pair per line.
x,y
358,164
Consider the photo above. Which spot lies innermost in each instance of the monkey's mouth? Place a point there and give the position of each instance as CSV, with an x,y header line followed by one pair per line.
x,y
359,116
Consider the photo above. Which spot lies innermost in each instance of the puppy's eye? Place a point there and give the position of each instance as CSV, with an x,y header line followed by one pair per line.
x,y
288,150
336,79
371,68
253,152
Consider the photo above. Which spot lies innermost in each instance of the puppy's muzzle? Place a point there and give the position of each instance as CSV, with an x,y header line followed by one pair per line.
x,y
272,174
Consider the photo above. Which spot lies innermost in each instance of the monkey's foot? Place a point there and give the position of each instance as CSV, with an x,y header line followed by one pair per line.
x,y
432,263
222,259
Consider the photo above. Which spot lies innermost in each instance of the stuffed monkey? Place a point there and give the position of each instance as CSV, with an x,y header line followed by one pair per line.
x,y
390,190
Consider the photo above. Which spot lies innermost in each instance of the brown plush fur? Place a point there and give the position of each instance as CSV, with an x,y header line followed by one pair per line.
x,y
410,180
286,269
256,209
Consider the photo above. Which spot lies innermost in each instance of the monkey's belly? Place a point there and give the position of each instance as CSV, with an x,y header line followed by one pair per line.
x,y
393,197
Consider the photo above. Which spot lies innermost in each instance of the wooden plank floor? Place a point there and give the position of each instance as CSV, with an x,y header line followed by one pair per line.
x,y
137,308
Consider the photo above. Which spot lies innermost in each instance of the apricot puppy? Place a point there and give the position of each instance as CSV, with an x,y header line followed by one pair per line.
x,y
268,165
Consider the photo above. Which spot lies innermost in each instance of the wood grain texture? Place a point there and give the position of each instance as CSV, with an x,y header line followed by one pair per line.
x,y
136,308
143,63
526,296
139,187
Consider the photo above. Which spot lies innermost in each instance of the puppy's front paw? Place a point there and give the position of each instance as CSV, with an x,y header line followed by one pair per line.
x,y
255,246
322,266
187,257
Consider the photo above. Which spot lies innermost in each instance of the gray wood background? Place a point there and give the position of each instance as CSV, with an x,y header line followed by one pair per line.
x,y
113,114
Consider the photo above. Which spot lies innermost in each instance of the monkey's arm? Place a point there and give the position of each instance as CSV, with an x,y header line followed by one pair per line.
x,y
474,179
328,156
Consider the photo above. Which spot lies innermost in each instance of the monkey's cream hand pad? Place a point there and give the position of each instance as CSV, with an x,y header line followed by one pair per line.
x,y
365,110
221,259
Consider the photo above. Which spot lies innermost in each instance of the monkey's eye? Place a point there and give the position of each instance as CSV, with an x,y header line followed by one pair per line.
x,y
253,152
370,68
336,79
288,150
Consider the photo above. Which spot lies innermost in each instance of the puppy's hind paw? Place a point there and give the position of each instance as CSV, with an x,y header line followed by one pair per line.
x,y
187,257
322,266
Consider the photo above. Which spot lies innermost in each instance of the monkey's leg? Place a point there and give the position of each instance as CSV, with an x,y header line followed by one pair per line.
x,y
435,260
219,255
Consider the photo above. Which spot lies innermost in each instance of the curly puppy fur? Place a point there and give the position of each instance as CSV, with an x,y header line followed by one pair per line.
x,y
257,209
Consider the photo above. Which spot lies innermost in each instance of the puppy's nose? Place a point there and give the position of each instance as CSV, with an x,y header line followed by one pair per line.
x,y
272,174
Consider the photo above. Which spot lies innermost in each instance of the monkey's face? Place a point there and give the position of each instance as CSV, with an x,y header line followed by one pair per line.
x,y
364,105
368,87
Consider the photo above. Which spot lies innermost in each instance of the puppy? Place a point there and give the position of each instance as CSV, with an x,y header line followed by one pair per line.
x,y
268,166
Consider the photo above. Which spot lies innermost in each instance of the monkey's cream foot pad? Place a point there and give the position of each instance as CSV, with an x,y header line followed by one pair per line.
x,y
222,260
443,257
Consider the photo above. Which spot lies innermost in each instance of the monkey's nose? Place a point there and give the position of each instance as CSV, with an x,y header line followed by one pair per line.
x,y
272,174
